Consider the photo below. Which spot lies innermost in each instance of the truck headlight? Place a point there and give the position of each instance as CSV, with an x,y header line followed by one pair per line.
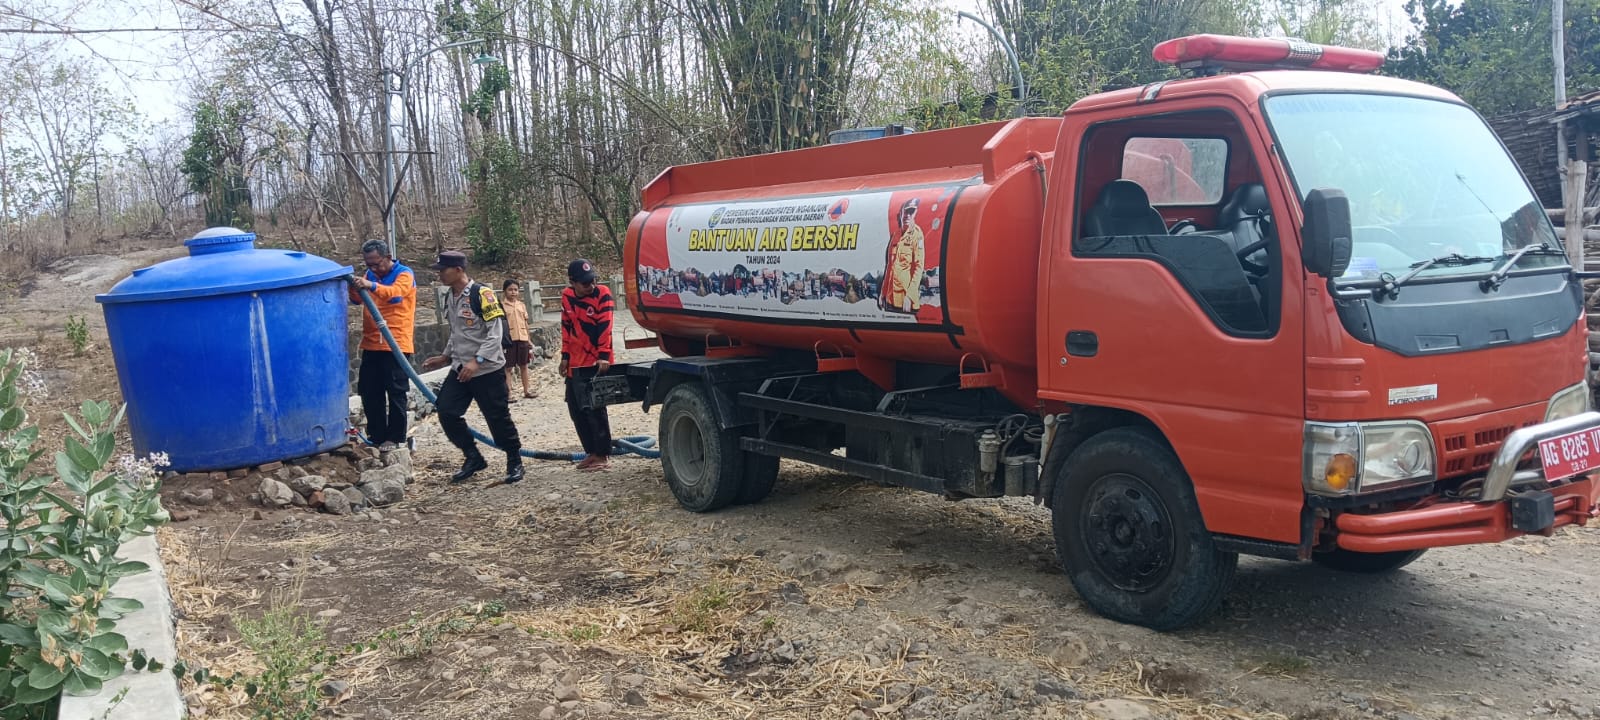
x,y
1569,402
1351,458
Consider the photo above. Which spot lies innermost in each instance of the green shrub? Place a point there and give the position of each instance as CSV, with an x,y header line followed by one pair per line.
x,y
78,335
58,549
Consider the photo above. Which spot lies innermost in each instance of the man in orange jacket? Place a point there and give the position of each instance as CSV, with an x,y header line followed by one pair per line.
x,y
382,382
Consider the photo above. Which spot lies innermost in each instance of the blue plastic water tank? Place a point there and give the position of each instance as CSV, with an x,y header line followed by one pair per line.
x,y
233,356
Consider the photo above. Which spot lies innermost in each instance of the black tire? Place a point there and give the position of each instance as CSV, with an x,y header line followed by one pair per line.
x,y
760,475
702,462
1130,536
1366,563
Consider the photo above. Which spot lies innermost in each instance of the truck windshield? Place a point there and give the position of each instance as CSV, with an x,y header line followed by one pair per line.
x,y
1427,181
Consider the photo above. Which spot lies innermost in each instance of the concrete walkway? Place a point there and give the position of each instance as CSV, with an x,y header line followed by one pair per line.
x,y
139,695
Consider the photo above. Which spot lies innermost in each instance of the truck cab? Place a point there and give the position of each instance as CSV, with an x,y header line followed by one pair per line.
x,y
1339,306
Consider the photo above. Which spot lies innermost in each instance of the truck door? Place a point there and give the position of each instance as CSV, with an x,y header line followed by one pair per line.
x,y
1169,294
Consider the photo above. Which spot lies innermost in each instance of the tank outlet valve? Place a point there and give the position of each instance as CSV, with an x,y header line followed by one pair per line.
x,y
988,452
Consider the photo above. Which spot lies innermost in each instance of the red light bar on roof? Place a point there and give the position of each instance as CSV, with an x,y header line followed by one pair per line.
x,y
1226,52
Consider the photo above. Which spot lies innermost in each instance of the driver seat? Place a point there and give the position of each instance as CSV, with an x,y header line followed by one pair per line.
x,y
1246,218
1243,220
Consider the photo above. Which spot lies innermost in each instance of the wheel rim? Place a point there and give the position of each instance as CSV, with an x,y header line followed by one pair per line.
x,y
1127,532
688,448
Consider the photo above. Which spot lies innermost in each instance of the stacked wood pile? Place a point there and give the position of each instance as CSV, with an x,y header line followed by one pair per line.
x,y
1591,256
1531,139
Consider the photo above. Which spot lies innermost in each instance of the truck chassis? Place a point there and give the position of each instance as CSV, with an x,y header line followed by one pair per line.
x,y
1128,529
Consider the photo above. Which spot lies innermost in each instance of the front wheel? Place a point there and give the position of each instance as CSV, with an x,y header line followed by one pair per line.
x,y
1366,563
1130,536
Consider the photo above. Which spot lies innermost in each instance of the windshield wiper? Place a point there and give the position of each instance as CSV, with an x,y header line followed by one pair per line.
x,y
1451,259
1498,277
1391,285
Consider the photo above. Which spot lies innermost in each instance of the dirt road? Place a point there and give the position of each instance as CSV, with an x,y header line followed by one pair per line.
x,y
594,595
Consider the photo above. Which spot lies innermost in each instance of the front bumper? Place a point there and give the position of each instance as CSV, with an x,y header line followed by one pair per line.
x,y
1460,523
1490,518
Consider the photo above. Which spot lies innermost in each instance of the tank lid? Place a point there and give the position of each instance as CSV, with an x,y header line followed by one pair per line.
x,y
222,261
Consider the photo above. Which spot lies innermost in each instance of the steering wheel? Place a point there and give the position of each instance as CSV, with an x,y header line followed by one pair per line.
x,y
1251,249
1391,238
1186,224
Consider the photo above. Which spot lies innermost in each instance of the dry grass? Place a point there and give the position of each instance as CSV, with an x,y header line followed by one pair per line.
x,y
207,632
695,633
677,620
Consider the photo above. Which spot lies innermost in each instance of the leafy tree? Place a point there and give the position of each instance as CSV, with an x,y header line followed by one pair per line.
x,y
782,68
495,231
1072,48
1495,54
495,170
216,161
1348,23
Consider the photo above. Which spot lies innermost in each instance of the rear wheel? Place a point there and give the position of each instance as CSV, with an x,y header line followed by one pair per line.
x,y
702,462
1366,563
1130,537
760,475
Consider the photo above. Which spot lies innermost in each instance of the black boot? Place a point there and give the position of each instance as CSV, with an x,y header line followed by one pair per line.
x,y
513,468
474,463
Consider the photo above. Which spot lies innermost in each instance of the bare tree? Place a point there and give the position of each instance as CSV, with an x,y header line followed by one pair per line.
x,y
64,115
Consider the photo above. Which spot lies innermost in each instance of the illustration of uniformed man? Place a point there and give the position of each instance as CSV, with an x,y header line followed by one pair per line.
x,y
902,271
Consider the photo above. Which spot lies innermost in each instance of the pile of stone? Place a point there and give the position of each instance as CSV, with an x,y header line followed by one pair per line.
x,y
382,481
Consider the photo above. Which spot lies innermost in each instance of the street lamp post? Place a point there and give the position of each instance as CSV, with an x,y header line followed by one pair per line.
x,y
1011,53
395,84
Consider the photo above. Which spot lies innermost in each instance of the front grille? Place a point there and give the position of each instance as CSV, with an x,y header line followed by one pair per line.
x,y
1491,437
1468,445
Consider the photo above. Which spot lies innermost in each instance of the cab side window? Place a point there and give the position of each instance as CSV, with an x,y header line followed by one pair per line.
x,y
1177,170
1181,190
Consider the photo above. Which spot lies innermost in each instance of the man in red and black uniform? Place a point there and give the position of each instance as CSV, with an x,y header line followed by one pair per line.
x,y
586,308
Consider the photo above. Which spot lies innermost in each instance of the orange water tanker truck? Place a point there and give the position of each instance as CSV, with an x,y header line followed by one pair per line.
x,y
1281,307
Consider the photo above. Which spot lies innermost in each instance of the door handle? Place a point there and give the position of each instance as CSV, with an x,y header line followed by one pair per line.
x,y
1082,343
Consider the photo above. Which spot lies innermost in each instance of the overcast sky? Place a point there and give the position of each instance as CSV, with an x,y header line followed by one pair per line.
x,y
154,68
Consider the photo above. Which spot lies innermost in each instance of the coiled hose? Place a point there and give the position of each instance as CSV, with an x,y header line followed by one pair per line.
x,y
641,445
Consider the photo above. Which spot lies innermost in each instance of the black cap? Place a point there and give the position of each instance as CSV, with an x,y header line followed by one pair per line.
x,y
580,270
450,258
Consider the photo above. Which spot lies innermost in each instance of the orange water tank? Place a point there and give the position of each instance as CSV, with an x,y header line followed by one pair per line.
x,y
920,247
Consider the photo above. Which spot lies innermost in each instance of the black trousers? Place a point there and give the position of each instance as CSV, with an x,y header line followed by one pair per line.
x,y
383,386
592,423
489,390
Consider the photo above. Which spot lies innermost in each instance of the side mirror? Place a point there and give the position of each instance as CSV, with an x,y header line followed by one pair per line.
x,y
1326,235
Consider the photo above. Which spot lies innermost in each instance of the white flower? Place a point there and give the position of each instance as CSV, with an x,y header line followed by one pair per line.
x,y
141,471
30,383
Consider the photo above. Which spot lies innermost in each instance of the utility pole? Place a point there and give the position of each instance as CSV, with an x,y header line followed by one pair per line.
x,y
1558,53
5,185
1574,172
395,85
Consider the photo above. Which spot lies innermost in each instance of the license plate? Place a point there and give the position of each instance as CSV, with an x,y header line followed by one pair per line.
x,y
1571,454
